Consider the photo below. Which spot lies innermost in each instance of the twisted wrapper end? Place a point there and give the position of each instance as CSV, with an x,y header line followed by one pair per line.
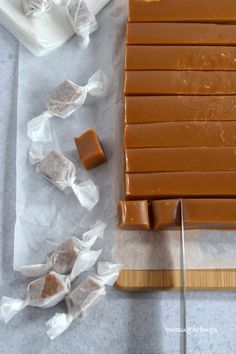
x,y
37,8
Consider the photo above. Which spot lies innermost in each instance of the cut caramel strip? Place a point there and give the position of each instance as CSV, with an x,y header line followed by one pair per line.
x,y
151,109
198,214
140,83
181,159
180,33
184,10
180,184
180,134
180,58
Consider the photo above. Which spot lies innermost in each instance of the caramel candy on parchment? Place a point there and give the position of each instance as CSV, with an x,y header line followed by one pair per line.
x,y
90,150
133,215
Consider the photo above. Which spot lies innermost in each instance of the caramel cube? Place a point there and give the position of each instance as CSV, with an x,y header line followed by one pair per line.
x,y
166,214
90,150
133,215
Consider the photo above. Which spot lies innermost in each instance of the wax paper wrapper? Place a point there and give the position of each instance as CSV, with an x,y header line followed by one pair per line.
x,y
50,289
37,8
45,28
64,256
63,101
84,298
38,219
39,35
45,217
60,171
82,20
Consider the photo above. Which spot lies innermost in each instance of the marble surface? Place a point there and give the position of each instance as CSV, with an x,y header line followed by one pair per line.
x,y
134,323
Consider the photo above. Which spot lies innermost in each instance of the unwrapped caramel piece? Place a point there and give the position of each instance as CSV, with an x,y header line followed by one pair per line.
x,y
181,159
180,184
183,11
180,134
165,214
180,58
151,109
198,214
181,33
133,215
90,150
180,82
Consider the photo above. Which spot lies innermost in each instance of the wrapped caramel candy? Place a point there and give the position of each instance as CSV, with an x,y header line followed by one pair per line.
x,y
59,170
64,256
82,20
63,101
36,8
82,300
49,290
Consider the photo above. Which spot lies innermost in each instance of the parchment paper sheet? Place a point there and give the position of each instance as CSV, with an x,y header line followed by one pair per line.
x,y
46,216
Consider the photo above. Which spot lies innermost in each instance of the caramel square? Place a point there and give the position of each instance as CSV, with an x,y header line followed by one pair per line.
x,y
166,214
90,150
133,215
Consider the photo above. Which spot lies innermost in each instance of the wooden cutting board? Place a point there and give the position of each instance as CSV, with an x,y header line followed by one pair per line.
x,y
197,279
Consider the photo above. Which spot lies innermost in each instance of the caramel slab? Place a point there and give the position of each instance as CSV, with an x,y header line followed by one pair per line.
x,y
180,33
198,214
151,109
180,184
181,159
180,58
141,83
186,10
133,215
180,134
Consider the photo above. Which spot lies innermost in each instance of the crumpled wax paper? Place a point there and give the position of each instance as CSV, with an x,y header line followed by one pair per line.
x,y
47,34
44,215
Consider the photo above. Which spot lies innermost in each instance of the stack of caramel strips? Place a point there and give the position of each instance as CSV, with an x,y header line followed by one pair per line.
x,y
180,115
